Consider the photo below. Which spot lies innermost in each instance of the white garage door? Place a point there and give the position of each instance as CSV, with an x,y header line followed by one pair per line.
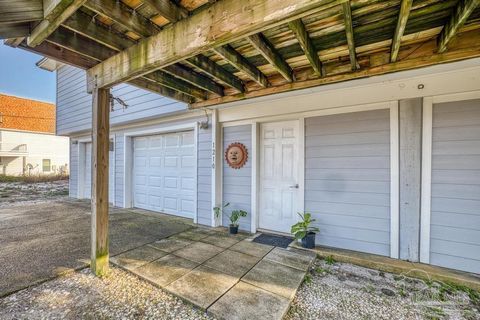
x,y
164,173
88,174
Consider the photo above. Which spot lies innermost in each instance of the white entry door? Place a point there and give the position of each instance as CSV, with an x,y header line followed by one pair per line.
x,y
164,173
87,185
279,175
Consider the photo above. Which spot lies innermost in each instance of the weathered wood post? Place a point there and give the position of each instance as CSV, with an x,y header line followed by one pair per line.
x,y
100,149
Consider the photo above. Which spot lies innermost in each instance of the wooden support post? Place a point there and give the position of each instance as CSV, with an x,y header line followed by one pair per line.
x,y
100,150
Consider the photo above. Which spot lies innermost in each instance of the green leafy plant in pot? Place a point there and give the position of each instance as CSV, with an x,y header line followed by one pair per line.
x,y
304,232
234,217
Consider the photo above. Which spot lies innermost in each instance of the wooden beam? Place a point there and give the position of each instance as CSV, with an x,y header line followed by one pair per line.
x,y
121,14
409,64
405,7
82,24
307,46
463,10
15,30
154,87
61,54
194,78
224,21
171,82
168,9
100,155
347,17
55,12
266,49
216,71
242,64
13,42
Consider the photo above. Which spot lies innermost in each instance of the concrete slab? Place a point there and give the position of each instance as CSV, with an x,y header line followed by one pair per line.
x,y
198,252
292,258
193,235
170,244
202,286
251,248
166,269
246,302
233,263
137,257
223,241
276,278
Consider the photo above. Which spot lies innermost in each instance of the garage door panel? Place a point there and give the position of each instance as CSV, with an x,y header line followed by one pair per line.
x,y
170,179
455,191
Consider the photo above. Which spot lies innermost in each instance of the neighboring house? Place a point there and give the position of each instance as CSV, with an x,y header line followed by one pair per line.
x,y
388,165
28,144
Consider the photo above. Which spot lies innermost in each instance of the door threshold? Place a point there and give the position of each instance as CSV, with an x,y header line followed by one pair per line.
x,y
277,233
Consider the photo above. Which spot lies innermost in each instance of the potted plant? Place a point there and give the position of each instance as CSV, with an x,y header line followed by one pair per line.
x,y
234,217
303,231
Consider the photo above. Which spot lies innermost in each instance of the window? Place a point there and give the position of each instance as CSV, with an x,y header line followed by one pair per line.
x,y
46,165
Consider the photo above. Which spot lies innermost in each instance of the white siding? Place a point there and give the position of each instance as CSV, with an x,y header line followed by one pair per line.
x,y
237,183
204,177
74,104
73,181
455,199
347,179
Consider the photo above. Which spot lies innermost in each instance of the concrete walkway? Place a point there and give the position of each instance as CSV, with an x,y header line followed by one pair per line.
x,y
41,241
229,276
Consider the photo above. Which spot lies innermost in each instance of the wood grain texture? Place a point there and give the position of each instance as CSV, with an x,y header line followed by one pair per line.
x,y
405,7
100,156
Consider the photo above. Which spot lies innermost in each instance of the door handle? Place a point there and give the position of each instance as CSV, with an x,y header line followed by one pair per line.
x,y
295,186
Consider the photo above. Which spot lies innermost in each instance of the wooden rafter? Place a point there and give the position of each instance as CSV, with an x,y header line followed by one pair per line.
x,y
14,30
168,9
267,50
121,14
215,71
405,7
14,42
55,12
305,42
171,82
154,87
194,78
347,17
224,21
242,64
81,23
463,10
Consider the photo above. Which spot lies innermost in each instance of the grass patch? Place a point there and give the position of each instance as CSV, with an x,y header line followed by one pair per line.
x,y
33,178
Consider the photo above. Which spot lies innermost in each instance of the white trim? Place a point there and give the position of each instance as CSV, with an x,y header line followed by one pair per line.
x,y
80,170
426,180
215,167
394,182
308,114
448,78
128,136
195,196
456,97
114,168
255,177
301,164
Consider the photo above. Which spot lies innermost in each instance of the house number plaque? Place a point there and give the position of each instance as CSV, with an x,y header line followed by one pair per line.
x,y
236,155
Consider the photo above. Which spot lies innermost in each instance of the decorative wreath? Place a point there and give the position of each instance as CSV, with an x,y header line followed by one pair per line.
x,y
236,155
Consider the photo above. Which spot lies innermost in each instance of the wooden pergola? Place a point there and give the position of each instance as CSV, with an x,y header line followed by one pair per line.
x,y
205,52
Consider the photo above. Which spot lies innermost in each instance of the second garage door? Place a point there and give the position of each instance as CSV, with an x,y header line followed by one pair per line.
x,y
164,173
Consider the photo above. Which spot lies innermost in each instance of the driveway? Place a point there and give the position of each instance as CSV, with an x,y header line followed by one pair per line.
x,y
43,240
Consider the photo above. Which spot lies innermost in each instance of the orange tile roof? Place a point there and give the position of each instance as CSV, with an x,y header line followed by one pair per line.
x,y
25,114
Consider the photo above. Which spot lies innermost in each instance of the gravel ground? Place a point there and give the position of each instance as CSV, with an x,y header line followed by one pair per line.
x,y
344,291
80,295
21,193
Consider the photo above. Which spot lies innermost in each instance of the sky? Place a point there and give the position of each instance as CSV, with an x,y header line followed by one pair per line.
x,y
19,76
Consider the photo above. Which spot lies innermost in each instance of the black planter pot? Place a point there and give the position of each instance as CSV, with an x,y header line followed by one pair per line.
x,y
309,240
233,229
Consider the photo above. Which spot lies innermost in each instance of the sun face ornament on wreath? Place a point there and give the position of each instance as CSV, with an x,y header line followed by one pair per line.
x,y
236,155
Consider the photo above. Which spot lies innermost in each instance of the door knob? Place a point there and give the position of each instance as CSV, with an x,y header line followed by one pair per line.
x,y
295,186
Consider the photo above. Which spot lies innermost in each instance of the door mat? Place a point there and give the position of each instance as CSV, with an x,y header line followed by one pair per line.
x,y
273,240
